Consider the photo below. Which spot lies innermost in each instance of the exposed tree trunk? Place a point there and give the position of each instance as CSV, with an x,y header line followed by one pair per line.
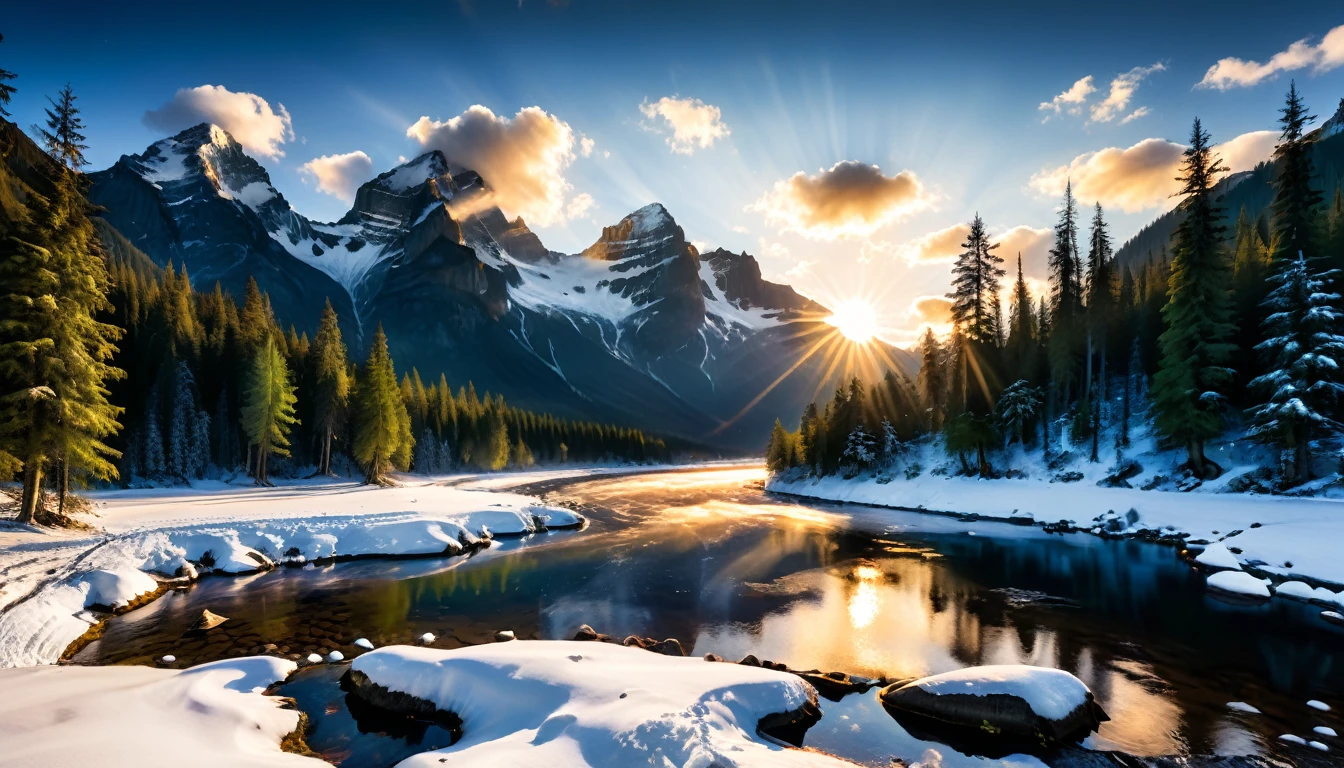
x,y
32,490
65,485
1195,448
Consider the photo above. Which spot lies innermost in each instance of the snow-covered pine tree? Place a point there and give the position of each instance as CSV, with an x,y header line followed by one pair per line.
x,y
199,446
180,430
1019,407
426,461
1304,345
154,464
893,449
859,452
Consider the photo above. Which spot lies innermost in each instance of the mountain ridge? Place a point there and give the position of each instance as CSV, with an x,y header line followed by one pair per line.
x,y
638,327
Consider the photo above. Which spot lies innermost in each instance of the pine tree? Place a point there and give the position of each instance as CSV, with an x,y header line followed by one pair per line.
x,y
331,396
1066,296
1196,344
268,410
54,352
153,462
6,90
182,431
1250,269
1019,407
859,453
1294,210
382,426
932,380
777,451
1021,328
1100,307
1304,344
975,286
63,134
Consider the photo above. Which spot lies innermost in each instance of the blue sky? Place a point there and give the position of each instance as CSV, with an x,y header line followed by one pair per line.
x,y
949,94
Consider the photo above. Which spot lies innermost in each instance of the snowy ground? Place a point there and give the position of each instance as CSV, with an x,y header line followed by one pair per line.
x,y
49,579
1284,537
114,717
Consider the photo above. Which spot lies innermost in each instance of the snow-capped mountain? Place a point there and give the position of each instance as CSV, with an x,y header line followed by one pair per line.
x,y
638,328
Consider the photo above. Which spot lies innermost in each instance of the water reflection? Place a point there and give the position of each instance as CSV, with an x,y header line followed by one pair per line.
x,y
707,558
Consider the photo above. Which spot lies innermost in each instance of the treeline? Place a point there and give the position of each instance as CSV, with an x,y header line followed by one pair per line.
x,y
212,382
112,369
1238,325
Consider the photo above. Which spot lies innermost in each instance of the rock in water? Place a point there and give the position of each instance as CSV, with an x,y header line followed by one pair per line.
x,y
335,656
999,703
504,636
364,643
207,621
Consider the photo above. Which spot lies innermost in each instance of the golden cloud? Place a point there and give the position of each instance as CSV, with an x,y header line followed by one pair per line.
x,y
851,199
1143,175
1232,72
339,175
246,116
694,123
523,159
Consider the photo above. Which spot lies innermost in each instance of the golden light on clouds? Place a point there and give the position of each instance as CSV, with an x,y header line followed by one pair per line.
x,y
1143,175
850,199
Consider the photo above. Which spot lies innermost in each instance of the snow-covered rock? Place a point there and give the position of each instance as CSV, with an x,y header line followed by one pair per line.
x,y
1217,555
364,643
1241,706
1325,731
593,704
1318,705
335,656
137,717
115,588
1020,701
1239,583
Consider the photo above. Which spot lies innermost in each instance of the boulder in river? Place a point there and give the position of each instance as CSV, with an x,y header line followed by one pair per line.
x,y
207,621
986,708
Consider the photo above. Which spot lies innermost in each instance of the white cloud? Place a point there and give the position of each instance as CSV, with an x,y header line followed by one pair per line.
x,y
1143,175
1070,101
1122,91
1135,115
850,199
579,206
741,230
248,117
772,250
700,246
523,159
586,146
800,270
1232,72
339,175
694,124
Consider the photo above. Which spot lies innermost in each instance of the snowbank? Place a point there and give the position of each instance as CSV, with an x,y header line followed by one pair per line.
x,y
564,703
137,717
1280,535
178,533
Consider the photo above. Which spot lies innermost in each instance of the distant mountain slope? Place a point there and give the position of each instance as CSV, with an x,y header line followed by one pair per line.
x,y
1251,190
639,328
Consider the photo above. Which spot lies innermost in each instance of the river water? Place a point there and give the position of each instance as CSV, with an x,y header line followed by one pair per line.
x,y
707,557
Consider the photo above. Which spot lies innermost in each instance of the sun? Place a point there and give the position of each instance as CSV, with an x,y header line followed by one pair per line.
x,y
856,320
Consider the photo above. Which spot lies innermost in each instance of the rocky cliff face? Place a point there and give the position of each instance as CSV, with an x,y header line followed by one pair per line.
x,y
639,328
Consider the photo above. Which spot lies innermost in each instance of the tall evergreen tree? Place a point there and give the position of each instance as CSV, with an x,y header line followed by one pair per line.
x,y
55,354
382,425
1250,269
6,90
1189,388
975,286
932,380
331,374
1295,219
1304,344
268,412
63,133
1066,297
1100,309
1021,328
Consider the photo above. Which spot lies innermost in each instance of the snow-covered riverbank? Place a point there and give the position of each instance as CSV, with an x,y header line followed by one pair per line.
x,y
49,580
1288,537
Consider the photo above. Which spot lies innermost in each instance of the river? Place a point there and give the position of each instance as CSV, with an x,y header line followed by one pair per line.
x,y
706,556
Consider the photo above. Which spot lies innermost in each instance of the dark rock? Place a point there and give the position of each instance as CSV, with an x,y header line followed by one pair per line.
x,y
669,647
585,633
791,727
1122,475
207,621
713,657
750,661
1071,476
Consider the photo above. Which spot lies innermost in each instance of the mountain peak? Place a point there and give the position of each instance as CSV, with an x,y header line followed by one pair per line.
x,y
649,218
413,173
1332,126
204,134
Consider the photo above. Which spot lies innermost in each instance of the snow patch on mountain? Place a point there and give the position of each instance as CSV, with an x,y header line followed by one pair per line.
x,y
717,303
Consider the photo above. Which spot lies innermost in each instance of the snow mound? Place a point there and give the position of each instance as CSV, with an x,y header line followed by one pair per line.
x,y
115,588
1051,693
1320,706
1239,583
565,703
1217,555
138,717
1241,706
1302,591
